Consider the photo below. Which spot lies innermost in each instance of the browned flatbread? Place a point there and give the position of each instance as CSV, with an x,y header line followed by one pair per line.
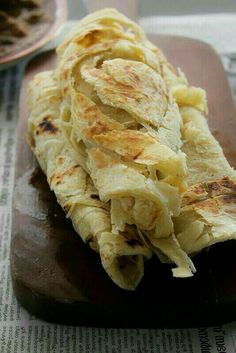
x,y
124,142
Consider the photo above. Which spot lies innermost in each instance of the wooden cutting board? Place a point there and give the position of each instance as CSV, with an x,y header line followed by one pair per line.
x,y
58,278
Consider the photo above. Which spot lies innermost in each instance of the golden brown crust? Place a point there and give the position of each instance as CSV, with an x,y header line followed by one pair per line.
x,y
129,143
199,193
90,119
130,85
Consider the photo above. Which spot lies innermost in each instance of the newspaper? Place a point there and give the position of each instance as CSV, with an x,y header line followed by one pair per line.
x,y
20,332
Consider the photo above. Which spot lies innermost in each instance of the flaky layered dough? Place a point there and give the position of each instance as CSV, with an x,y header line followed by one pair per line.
x,y
208,212
122,255
124,142
123,125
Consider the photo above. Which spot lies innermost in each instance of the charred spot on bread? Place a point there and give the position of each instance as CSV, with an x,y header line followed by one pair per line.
x,y
94,197
46,126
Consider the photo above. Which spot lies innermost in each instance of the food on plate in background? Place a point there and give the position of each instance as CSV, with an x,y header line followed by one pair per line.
x,y
20,23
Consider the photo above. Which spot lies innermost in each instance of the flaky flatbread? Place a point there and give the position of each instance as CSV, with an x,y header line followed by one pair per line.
x,y
122,255
124,143
208,213
123,116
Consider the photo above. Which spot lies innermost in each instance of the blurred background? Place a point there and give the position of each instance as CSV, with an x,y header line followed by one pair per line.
x,y
77,8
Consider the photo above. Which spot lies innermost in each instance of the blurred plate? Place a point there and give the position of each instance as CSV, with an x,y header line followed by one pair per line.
x,y
55,15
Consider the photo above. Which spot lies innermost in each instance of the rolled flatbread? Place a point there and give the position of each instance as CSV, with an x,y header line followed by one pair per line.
x,y
122,254
124,142
208,213
123,126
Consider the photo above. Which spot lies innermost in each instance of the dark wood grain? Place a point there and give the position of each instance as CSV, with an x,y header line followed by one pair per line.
x,y
58,278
